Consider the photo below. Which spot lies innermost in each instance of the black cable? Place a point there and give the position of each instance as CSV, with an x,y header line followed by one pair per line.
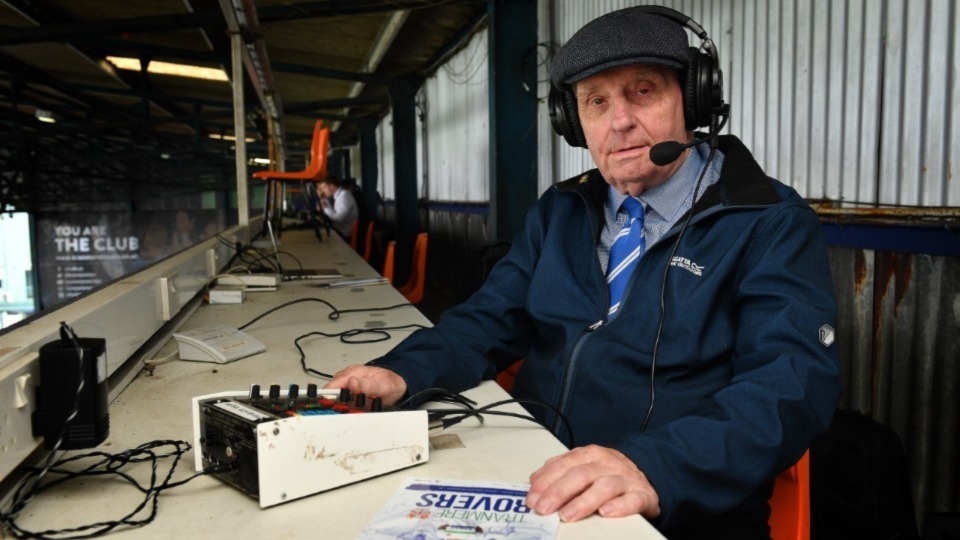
x,y
108,465
486,409
334,314
29,485
347,336
437,394
260,259
663,283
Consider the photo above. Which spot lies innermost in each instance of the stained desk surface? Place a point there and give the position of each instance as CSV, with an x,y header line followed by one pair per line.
x,y
157,406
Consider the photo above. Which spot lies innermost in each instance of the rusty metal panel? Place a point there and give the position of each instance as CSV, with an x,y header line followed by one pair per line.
x,y
899,338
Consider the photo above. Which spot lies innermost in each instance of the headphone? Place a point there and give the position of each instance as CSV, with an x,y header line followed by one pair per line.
x,y
702,86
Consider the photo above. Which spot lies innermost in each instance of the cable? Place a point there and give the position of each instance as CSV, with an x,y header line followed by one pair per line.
x,y
347,336
32,483
437,394
29,485
110,465
663,288
334,315
486,409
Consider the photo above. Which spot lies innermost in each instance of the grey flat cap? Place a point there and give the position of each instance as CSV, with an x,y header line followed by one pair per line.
x,y
626,36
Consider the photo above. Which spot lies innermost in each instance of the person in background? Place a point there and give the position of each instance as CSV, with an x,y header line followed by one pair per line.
x,y
338,205
183,233
675,306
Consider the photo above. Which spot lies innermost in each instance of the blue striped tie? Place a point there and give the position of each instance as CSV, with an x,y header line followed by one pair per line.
x,y
626,250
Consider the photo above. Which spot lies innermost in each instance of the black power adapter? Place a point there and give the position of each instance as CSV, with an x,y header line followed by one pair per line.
x,y
64,364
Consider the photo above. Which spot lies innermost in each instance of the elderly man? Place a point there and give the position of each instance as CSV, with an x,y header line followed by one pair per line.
x,y
678,315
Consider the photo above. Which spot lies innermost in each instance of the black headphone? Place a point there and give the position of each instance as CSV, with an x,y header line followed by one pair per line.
x,y
702,86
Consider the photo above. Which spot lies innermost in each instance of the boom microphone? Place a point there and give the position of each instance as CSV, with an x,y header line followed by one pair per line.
x,y
667,152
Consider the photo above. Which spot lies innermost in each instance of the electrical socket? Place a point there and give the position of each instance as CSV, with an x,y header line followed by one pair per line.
x,y
18,401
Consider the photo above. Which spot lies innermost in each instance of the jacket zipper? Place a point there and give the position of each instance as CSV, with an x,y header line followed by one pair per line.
x,y
567,378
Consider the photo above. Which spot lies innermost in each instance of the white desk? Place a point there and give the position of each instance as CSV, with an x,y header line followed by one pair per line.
x,y
159,407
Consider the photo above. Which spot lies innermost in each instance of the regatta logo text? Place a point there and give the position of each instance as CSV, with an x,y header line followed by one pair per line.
x,y
687,265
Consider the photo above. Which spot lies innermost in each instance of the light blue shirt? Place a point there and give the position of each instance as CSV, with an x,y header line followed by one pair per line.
x,y
663,205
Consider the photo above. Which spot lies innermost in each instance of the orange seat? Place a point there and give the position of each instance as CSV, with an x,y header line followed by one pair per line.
x,y
368,242
317,168
413,289
506,377
790,503
388,261
354,230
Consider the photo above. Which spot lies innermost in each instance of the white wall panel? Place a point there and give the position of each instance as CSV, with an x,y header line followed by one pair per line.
x,y
385,150
458,121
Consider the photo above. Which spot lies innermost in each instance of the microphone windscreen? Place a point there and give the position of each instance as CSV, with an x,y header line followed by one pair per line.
x,y
666,152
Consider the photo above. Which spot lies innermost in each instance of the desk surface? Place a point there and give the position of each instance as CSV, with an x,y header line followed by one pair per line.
x,y
158,406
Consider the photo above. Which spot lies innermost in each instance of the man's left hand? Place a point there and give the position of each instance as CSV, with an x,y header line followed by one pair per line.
x,y
592,479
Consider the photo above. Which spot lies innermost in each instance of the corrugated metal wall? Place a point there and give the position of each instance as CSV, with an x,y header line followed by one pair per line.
x,y
453,121
453,162
850,100
899,338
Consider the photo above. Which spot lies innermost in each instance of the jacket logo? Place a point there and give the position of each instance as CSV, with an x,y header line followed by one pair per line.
x,y
687,265
827,335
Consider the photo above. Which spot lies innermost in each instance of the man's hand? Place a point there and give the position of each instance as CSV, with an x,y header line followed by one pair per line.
x,y
372,381
592,479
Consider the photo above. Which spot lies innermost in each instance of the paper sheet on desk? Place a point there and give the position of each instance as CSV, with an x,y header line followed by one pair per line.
x,y
434,509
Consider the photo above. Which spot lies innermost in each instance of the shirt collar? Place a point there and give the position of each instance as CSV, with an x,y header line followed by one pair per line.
x,y
674,195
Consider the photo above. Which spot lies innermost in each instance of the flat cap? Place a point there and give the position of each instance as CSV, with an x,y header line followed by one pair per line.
x,y
626,36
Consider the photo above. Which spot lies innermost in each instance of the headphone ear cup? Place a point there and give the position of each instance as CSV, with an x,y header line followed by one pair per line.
x,y
562,107
703,89
693,92
573,120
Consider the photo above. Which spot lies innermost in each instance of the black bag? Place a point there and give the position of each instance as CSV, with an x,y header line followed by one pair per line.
x,y
859,485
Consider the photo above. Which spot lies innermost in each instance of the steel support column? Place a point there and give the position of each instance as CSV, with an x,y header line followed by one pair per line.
x,y
403,100
513,114
369,168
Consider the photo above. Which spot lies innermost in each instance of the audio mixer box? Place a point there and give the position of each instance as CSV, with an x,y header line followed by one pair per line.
x,y
284,445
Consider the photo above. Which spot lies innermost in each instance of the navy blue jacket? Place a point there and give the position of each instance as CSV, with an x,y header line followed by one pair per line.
x,y
745,376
